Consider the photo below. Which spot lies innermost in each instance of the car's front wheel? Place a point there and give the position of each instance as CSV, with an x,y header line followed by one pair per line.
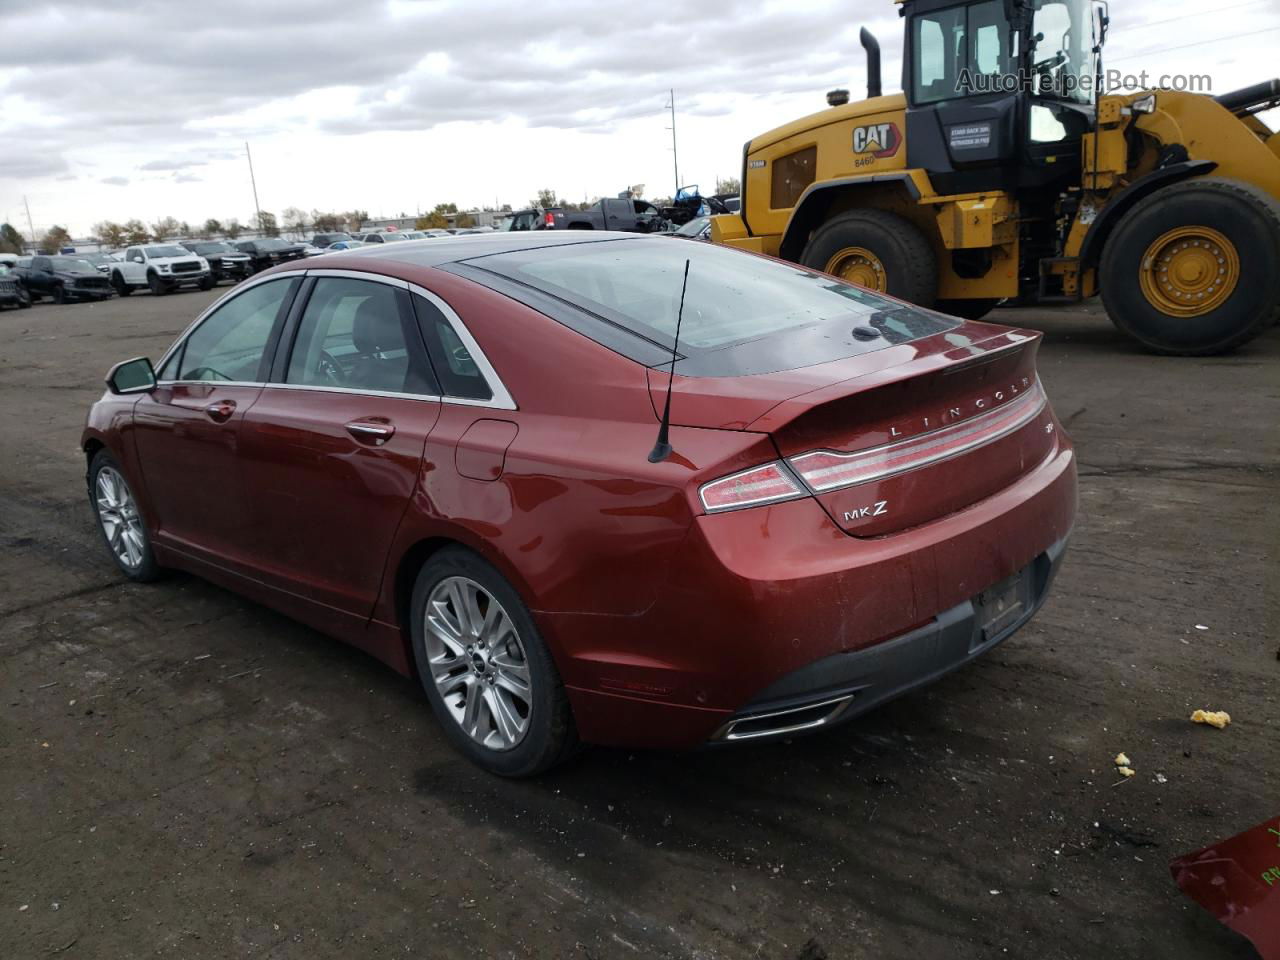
x,y
486,670
122,288
158,286
119,520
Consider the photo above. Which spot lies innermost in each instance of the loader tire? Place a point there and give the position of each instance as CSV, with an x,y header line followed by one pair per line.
x,y
1191,270
968,309
878,250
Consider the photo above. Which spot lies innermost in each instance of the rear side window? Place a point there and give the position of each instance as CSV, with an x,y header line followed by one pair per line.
x,y
354,335
231,342
455,368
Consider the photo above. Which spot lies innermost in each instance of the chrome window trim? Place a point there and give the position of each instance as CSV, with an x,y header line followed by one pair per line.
x,y
425,397
501,399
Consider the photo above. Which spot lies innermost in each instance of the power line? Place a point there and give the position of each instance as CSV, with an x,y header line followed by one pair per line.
x,y
1187,46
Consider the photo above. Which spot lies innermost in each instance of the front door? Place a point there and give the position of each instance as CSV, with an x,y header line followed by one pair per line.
x,y
333,448
187,430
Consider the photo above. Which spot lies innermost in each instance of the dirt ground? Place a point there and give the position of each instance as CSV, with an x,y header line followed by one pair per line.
x,y
185,774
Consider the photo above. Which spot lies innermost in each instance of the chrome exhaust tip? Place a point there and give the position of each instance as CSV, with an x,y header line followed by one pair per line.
x,y
777,723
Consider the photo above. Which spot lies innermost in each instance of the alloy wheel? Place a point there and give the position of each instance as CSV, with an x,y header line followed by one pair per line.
x,y
478,663
118,514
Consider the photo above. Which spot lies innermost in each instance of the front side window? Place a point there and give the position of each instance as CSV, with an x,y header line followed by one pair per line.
x,y
1062,50
791,174
231,342
962,51
354,336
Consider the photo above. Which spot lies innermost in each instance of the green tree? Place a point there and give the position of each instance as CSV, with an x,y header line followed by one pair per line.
x,y
10,239
135,231
212,228
445,208
109,233
232,229
266,223
464,220
55,239
729,185
432,221
546,198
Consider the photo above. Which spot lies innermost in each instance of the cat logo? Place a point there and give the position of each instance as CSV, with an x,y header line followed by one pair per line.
x,y
877,139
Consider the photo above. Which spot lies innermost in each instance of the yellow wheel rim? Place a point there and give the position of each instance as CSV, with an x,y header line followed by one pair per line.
x,y
1189,272
858,265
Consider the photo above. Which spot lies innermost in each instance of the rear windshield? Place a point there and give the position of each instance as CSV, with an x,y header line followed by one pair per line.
x,y
749,313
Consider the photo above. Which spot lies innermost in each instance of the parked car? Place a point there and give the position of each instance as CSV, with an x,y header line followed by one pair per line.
x,y
162,268
699,228
63,279
9,260
103,261
380,237
225,261
323,240
448,458
12,291
343,245
609,213
269,251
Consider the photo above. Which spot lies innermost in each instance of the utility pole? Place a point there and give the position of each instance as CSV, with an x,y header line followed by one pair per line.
x,y
675,159
256,209
30,226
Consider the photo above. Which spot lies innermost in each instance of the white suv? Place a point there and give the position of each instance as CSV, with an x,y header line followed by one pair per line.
x,y
163,267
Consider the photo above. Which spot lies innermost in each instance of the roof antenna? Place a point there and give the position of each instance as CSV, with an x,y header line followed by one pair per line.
x,y
662,449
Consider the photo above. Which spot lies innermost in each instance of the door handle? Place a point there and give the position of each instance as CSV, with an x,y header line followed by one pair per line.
x,y
376,432
221,411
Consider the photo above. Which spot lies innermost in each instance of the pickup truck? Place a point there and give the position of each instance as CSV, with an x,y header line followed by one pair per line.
x,y
62,278
609,213
163,267
225,261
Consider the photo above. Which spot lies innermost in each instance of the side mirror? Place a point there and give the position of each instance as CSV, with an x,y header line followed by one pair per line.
x,y
131,376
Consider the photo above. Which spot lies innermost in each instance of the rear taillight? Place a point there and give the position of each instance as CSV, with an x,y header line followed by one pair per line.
x,y
549,219
770,483
825,470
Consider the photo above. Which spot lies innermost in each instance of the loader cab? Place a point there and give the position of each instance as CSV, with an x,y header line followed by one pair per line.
x,y
999,92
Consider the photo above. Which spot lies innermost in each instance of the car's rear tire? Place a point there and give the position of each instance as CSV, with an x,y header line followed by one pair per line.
x,y
122,526
878,250
486,670
1191,270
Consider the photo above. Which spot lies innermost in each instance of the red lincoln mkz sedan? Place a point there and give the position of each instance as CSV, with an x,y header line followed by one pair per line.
x,y
443,452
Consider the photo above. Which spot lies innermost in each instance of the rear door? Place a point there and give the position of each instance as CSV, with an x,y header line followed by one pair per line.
x,y
332,450
188,429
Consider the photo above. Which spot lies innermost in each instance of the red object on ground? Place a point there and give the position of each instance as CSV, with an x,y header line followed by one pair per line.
x,y
1238,881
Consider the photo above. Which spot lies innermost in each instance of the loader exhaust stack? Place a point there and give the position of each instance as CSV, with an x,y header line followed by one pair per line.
x,y
872,46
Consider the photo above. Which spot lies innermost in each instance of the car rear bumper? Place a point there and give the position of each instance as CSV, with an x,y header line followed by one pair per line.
x,y
845,685
774,607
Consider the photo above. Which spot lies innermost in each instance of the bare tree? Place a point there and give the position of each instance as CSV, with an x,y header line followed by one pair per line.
x,y
212,228
729,185
109,233
232,228
166,227
267,224
10,239
135,231
55,239
327,222
295,220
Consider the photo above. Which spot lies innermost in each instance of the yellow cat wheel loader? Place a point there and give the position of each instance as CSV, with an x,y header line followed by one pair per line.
x,y
1001,171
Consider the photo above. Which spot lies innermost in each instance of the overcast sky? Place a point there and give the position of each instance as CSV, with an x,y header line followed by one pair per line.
x,y
140,108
